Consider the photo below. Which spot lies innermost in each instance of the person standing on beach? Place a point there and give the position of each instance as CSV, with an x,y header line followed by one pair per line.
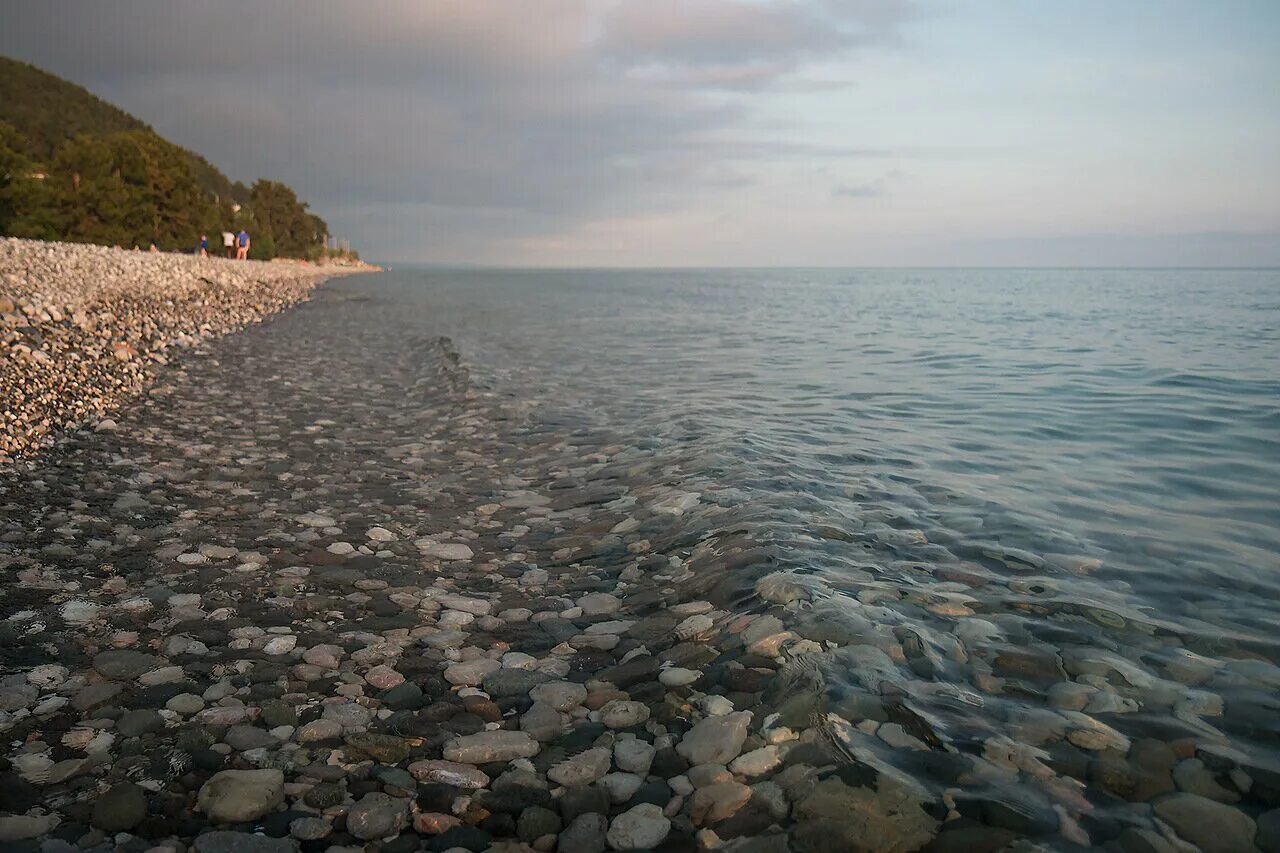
x,y
228,242
204,246
242,240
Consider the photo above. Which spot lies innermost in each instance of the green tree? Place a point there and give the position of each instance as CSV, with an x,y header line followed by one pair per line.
x,y
99,191
181,210
73,167
279,215
15,167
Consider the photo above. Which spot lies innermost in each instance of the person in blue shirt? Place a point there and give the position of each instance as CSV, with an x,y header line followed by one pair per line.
x,y
242,244
204,246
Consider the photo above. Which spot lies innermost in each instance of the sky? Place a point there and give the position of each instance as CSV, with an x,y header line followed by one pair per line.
x,y
717,132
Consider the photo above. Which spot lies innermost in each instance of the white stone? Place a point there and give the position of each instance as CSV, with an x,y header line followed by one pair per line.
x,y
677,676
634,755
47,676
757,762
280,645
561,695
446,550
599,604
471,673
582,769
621,786
474,606
642,827
624,714
450,773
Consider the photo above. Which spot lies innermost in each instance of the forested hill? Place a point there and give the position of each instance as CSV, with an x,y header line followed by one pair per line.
x,y
49,111
74,167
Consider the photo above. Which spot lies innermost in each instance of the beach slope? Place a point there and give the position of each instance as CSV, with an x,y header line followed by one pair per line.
x,y
82,326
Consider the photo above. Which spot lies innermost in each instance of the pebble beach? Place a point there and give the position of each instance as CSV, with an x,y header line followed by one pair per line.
x,y
320,588
81,326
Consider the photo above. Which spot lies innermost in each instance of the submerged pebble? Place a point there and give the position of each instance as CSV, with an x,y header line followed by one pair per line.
x,y
326,585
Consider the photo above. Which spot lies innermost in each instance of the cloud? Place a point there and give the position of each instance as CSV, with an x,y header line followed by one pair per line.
x,y
537,115
871,190
868,189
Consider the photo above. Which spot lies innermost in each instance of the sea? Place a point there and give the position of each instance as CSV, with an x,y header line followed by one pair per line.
x,y
1116,430
1040,506
994,547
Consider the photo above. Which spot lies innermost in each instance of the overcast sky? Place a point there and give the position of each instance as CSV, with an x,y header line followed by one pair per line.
x,y
717,132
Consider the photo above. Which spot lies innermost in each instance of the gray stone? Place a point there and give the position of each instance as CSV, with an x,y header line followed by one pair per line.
x,y
542,721
324,795
249,737
623,714
513,682
185,704
535,822
1193,777
715,740
1269,831
238,796
120,809
599,604
278,714
450,773
95,695
377,816
139,722
471,673
586,833
491,747
223,841
770,796
321,729
449,551
1212,826
15,697
310,828
403,697
641,827
621,786
634,755
561,695
20,827
757,762
718,802
582,769
880,820
474,606
347,714
125,664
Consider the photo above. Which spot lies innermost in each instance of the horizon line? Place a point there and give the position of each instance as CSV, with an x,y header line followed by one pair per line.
x,y
471,266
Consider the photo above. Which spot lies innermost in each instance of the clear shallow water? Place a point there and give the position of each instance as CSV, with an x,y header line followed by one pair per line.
x,y
994,547
1123,425
1039,508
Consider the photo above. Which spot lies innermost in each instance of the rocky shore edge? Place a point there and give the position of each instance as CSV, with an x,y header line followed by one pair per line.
x,y
82,326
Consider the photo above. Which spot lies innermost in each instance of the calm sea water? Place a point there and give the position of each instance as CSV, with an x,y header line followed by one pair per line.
x,y
1121,425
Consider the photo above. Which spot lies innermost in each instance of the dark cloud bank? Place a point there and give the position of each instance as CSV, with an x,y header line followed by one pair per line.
x,y
476,129
471,124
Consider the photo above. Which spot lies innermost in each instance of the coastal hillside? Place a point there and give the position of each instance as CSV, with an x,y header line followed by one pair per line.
x,y
74,167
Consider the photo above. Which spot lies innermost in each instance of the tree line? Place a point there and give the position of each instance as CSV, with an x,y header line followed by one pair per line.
x,y
134,188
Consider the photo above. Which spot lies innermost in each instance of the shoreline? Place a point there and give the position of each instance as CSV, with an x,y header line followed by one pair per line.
x,y
325,591
82,327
